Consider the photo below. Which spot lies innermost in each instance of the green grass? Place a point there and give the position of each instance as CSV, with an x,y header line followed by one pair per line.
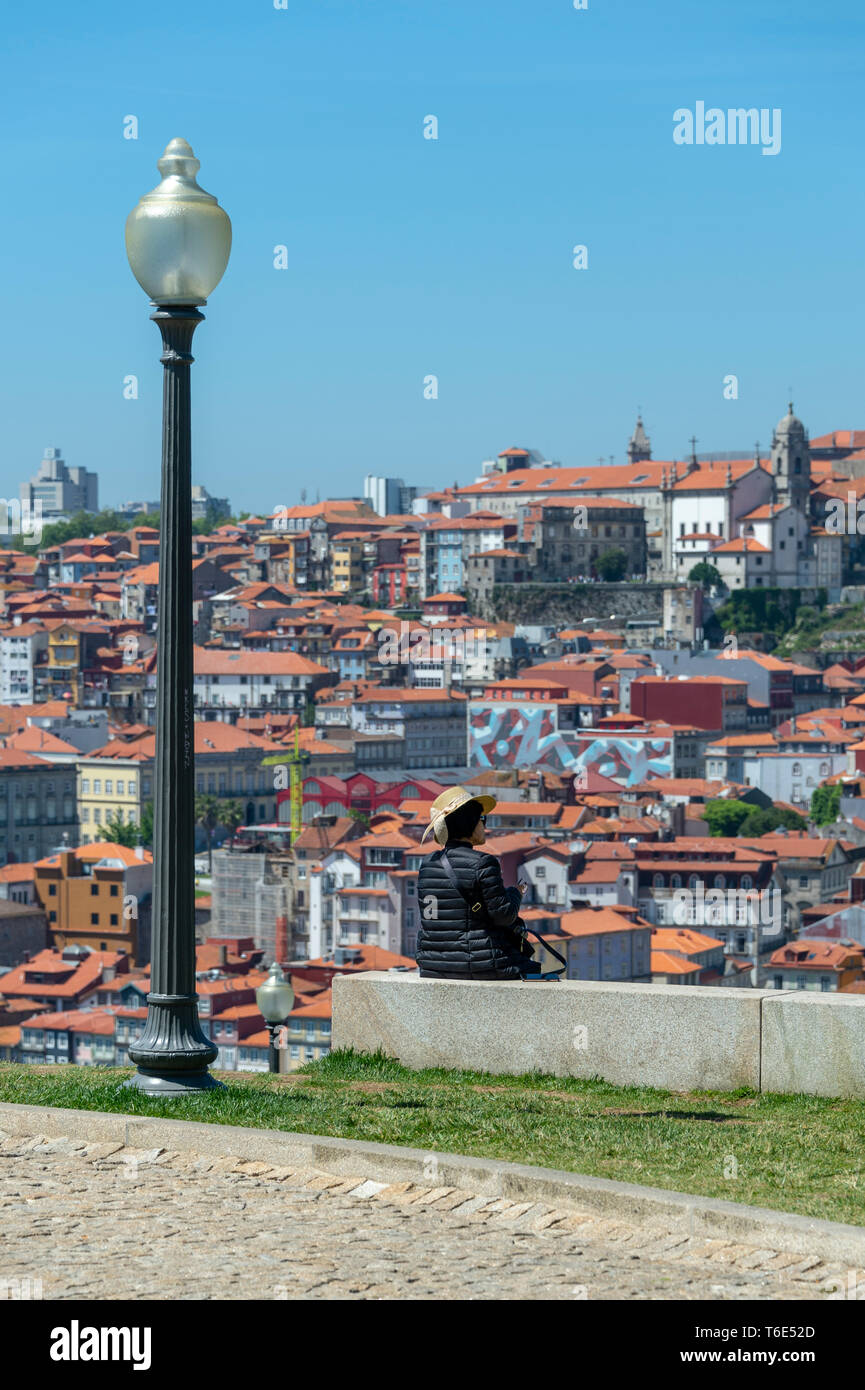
x,y
802,1154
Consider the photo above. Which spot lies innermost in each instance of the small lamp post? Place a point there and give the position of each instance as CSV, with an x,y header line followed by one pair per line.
x,y
274,998
178,241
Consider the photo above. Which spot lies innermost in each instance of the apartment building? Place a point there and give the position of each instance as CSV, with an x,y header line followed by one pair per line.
x,y
22,646
231,683
432,724
98,896
118,780
37,806
601,943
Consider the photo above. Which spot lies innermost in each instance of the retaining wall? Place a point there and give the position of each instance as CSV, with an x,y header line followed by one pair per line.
x,y
676,1037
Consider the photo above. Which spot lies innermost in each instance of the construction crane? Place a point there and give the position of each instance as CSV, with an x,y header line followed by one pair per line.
x,y
296,761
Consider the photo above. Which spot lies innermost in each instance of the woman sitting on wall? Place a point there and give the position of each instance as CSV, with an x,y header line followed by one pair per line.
x,y
470,922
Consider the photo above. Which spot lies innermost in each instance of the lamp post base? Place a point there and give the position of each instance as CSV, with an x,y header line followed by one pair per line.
x,y
173,1054
178,1083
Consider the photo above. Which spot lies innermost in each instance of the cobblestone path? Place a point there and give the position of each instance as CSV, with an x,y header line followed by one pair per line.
x,y
99,1221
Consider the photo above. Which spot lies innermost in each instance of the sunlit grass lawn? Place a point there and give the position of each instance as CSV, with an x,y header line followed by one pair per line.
x,y
794,1153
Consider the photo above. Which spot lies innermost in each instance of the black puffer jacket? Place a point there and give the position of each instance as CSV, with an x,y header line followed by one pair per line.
x,y
452,943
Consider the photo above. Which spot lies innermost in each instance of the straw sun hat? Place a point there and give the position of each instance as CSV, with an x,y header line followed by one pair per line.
x,y
448,802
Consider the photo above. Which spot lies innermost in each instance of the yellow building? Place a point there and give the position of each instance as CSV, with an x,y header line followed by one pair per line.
x,y
119,779
64,660
308,1033
112,788
346,557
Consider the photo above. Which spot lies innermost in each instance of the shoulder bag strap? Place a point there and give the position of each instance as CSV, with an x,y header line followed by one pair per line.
x,y
448,867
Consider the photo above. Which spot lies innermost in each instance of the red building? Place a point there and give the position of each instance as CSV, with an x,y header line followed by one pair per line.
x,y
444,605
389,585
336,796
700,702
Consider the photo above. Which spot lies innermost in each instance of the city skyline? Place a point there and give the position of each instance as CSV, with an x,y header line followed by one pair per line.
x,y
452,257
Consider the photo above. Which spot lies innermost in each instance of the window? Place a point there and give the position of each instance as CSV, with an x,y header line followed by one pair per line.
x,y
94,921
97,786
113,919
109,786
778,982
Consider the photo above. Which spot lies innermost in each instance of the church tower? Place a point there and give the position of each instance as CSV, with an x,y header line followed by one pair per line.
x,y
791,463
640,448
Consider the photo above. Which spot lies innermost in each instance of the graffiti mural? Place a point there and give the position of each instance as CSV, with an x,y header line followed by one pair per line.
x,y
527,735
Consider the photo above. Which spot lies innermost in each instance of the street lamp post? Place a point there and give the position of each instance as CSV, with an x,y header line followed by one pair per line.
x,y
178,241
274,998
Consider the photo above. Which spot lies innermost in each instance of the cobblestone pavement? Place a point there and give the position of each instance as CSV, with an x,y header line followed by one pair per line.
x,y
99,1221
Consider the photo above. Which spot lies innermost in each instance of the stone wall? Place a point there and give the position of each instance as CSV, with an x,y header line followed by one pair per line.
x,y
677,1037
566,604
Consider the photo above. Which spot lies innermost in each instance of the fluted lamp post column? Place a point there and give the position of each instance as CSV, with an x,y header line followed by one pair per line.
x,y
178,240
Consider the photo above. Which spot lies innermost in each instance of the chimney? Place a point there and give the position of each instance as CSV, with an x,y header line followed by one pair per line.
x,y
281,944
223,955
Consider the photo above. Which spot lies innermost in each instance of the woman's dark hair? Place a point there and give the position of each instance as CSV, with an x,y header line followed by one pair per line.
x,y
462,821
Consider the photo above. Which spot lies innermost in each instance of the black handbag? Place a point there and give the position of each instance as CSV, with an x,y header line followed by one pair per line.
x,y
531,967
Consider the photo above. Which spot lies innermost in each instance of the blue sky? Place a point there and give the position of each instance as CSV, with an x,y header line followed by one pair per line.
x,y
410,257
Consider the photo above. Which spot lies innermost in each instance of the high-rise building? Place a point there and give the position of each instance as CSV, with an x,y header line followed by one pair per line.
x,y
390,496
59,490
203,505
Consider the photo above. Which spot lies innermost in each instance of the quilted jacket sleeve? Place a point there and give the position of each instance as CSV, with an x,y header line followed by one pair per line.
x,y
502,904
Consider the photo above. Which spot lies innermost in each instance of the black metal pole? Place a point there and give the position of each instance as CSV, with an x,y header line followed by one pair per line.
x,y
273,1050
173,1054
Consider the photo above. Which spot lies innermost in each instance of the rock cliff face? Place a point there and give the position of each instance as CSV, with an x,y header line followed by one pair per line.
x,y
566,604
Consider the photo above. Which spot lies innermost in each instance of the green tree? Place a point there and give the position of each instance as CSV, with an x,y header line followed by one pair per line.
x,y
612,565
709,576
725,817
83,524
146,826
208,814
119,832
763,821
826,804
232,816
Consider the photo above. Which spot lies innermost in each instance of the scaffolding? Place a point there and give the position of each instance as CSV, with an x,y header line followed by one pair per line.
x,y
251,891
